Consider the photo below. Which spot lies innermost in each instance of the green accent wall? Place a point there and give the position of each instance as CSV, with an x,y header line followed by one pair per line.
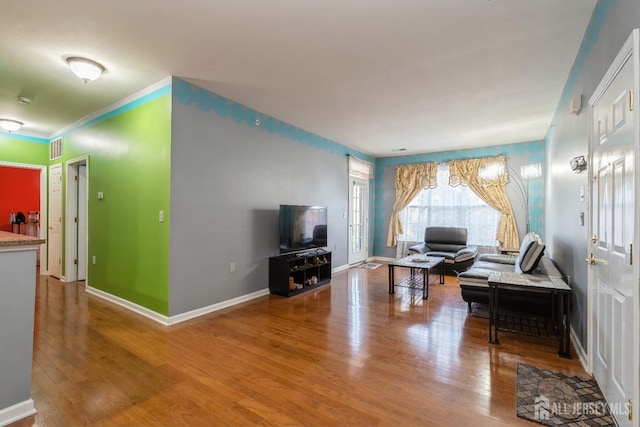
x,y
130,163
17,149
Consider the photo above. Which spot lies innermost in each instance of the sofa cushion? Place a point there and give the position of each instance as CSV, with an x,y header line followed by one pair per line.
x,y
528,260
445,255
447,235
527,241
480,271
466,253
498,258
444,247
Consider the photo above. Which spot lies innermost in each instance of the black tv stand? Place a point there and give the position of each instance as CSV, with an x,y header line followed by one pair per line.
x,y
302,267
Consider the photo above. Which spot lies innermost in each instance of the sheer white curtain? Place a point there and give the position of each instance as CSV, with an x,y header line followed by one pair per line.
x,y
450,207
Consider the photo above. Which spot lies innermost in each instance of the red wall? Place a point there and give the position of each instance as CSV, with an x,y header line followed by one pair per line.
x,y
19,192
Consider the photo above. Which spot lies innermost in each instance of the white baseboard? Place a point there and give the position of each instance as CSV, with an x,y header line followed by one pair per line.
x,y
172,320
382,258
582,355
340,268
17,412
215,307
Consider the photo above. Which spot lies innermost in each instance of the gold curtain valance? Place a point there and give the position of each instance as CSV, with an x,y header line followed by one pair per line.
x,y
410,180
488,178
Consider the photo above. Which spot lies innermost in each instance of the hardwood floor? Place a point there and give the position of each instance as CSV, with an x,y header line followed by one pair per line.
x,y
348,353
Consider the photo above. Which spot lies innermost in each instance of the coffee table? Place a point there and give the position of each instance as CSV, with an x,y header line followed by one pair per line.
x,y
416,262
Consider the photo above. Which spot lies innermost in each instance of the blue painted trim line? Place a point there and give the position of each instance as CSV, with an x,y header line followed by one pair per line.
x,y
591,36
24,138
518,149
189,94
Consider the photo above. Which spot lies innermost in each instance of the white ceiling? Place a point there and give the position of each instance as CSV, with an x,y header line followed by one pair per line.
x,y
425,75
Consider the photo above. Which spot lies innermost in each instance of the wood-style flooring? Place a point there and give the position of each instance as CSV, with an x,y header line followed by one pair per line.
x,y
346,354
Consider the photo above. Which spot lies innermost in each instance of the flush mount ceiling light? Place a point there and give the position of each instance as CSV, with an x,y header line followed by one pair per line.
x,y
10,125
84,68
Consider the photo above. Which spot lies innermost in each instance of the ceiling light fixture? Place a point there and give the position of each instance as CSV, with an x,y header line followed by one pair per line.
x,y
10,125
84,68
24,100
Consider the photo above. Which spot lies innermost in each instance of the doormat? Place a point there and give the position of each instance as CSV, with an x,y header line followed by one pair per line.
x,y
554,399
369,265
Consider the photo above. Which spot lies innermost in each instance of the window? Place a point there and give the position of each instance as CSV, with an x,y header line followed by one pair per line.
x,y
450,207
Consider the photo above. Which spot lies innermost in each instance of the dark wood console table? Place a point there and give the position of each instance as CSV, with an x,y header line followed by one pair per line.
x,y
560,294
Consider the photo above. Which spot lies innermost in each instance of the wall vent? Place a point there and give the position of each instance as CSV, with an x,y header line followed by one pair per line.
x,y
55,149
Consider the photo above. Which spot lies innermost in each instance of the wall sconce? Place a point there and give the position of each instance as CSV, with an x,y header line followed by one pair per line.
x,y
530,171
10,125
578,164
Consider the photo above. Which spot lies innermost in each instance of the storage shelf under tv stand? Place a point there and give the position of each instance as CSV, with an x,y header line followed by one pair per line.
x,y
302,266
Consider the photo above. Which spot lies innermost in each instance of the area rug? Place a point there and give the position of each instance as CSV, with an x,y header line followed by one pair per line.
x,y
554,399
369,265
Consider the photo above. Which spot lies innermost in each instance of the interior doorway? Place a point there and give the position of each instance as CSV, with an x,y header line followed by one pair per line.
x,y
43,207
358,220
360,172
77,219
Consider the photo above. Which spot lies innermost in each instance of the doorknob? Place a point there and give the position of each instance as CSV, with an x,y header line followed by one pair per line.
x,y
51,227
593,260
594,238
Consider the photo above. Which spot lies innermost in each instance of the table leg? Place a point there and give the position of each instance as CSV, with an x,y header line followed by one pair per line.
x,y
493,314
442,273
564,302
391,280
425,283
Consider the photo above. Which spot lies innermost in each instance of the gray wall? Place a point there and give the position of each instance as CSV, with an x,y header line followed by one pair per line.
x,y
228,179
17,305
516,154
567,241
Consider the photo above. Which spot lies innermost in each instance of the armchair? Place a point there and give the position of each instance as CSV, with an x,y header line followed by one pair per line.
x,y
449,243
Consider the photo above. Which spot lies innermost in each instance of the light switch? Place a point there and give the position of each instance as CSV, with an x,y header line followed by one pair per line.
x,y
161,216
100,195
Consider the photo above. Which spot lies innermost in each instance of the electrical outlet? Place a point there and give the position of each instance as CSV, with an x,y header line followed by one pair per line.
x,y
93,259
232,267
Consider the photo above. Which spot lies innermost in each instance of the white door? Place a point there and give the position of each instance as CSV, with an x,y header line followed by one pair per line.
x,y
613,287
358,220
55,220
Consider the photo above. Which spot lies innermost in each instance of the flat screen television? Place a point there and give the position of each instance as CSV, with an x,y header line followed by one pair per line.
x,y
302,227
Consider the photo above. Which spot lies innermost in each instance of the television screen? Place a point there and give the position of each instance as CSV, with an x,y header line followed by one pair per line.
x,y
302,227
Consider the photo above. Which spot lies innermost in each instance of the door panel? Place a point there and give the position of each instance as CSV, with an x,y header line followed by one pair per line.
x,y
613,130
55,220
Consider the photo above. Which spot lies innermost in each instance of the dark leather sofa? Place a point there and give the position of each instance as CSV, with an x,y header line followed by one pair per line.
x,y
529,260
449,243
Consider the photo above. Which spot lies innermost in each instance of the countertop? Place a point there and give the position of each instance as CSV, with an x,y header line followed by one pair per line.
x,y
12,239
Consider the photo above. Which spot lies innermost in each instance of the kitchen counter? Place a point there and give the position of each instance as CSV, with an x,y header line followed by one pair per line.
x,y
12,239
